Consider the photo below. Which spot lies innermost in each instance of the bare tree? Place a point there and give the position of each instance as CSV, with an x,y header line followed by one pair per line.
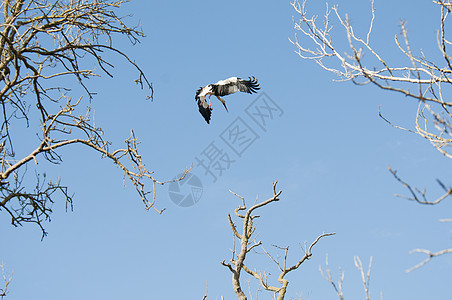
x,y
248,242
47,49
421,78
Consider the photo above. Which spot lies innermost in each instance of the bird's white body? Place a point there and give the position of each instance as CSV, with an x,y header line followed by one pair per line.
x,y
227,81
208,89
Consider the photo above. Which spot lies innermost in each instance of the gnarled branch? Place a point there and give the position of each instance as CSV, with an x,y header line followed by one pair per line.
x,y
248,243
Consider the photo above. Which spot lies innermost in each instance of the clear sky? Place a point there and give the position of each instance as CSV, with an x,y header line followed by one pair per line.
x,y
324,143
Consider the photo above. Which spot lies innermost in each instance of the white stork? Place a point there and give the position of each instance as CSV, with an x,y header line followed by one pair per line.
x,y
223,88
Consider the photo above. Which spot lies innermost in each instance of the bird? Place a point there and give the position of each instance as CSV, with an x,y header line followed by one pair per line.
x,y
223,88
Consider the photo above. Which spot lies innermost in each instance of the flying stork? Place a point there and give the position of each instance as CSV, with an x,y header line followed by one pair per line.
x,y
223,88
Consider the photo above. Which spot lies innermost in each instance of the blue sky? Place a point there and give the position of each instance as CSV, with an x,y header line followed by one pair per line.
x,y
328,149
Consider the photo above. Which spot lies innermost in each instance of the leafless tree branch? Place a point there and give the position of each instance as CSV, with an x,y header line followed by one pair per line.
x,y
418,195
365,278
422,79
44,45
429,254
247,243
418,77
6,282
338,286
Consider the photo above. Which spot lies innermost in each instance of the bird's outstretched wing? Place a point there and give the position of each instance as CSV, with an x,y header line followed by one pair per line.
x,y
205,110
234,84
248,86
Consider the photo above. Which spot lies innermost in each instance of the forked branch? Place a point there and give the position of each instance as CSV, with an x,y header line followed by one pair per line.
x,y
338,286
248,243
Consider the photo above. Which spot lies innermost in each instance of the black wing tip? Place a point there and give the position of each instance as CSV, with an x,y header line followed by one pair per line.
x,y
206,112
253,84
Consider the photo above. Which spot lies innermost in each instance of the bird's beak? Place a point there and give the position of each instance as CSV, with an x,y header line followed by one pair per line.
x,y
224,102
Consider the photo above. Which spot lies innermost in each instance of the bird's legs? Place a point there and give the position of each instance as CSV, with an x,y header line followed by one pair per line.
x,y
204,100
219,98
